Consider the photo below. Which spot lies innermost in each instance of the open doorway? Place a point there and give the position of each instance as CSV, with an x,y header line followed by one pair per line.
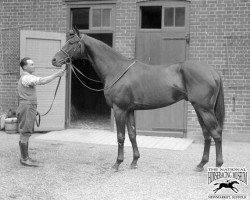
x,y
89,108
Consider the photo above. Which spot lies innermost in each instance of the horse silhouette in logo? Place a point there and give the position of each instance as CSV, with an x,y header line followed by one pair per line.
x,y
228,184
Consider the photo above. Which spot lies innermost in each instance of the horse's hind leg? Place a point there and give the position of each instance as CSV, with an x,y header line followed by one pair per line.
x,y
235,189
207,143
132,136
215,131
120,118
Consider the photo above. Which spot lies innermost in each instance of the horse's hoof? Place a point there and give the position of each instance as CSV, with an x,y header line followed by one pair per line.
x,y
198,169
115,167
133,166
219,164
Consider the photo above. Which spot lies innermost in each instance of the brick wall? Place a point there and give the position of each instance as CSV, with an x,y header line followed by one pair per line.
x,y
44,15
1,60
220,36
220,33
125,30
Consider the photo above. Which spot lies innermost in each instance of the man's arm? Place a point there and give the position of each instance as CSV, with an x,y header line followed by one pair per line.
x,y
47,79
31,80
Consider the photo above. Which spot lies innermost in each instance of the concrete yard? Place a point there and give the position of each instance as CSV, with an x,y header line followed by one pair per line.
x,y
76,170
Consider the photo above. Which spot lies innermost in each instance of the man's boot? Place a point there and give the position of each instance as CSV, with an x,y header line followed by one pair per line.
x,y
30,159
24,160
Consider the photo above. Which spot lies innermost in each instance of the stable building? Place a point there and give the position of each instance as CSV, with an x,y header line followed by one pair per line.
x,y
152,31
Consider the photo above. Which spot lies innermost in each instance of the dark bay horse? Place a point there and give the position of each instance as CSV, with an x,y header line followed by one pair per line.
x,y
132,85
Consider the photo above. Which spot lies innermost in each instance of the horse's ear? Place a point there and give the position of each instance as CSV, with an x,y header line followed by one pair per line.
x,y
76,31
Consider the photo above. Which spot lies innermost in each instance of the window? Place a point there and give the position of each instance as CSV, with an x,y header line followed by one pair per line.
x,y
169,17
101,17
158,17
80,18
151,17
174,17
92,17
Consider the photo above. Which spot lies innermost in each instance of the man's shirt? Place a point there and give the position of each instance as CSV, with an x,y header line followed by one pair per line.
x,y
27,88
30,80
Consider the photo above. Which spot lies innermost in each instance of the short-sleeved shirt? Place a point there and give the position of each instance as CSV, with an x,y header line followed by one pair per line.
x,y
27,88
30,80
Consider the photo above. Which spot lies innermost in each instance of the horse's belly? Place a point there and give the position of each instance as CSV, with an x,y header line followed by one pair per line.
x,y
156,98
148,89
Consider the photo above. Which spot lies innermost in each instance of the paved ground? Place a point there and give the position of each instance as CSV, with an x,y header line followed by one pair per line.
x,y
97,136
71,170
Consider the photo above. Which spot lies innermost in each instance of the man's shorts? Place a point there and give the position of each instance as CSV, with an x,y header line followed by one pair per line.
x,y
26,116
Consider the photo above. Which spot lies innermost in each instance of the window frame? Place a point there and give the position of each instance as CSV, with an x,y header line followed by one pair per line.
x,y
164,4
102,7
71,16
173,27
91,7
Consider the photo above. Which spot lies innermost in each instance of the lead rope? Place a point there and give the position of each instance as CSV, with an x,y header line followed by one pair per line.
x,y
38,121
73,68
93,89
85,75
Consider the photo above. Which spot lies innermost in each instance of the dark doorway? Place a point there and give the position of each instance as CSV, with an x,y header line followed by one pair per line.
x,y
89,108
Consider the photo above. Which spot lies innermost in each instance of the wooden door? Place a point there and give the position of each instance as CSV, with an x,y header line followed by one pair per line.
x,y
159,46
41,47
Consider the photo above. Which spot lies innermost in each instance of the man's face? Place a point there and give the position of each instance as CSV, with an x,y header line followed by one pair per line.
x,y
30,67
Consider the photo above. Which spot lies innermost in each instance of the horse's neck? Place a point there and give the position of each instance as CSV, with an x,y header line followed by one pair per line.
x,y
107,62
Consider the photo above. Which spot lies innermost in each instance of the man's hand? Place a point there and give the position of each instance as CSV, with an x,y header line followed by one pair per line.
x,y
47,79
60,73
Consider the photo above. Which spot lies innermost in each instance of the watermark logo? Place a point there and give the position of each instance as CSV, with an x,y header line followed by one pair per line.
x,y
227,182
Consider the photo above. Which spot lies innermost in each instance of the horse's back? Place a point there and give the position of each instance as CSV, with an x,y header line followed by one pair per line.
x,y
201,69
153,86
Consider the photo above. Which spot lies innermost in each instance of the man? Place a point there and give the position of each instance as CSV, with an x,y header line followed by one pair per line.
x,y
27,109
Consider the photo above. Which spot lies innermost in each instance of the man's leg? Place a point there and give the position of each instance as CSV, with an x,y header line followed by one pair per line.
x,y
24,149
26,118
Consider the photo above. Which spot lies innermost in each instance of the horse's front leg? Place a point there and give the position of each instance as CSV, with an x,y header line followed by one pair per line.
x,y
235,189
215,190
120,118
132,136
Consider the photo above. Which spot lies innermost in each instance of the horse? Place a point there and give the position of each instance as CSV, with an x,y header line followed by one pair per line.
x,y
131,85
228,184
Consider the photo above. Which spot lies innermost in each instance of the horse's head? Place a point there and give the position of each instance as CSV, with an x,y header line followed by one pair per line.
x,y
72,50
235,182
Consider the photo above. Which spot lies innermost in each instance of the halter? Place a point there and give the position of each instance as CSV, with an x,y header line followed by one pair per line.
x,y
68,61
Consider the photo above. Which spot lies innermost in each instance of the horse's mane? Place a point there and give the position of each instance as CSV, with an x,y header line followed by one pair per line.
x,y
104,46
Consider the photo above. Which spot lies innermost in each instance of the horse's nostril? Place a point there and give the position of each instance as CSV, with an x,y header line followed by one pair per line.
x,y
53,60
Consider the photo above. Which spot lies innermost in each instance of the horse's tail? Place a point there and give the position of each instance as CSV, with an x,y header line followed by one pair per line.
x,y
219,108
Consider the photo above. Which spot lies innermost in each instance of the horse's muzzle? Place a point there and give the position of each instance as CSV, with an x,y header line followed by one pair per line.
x,y
55,63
